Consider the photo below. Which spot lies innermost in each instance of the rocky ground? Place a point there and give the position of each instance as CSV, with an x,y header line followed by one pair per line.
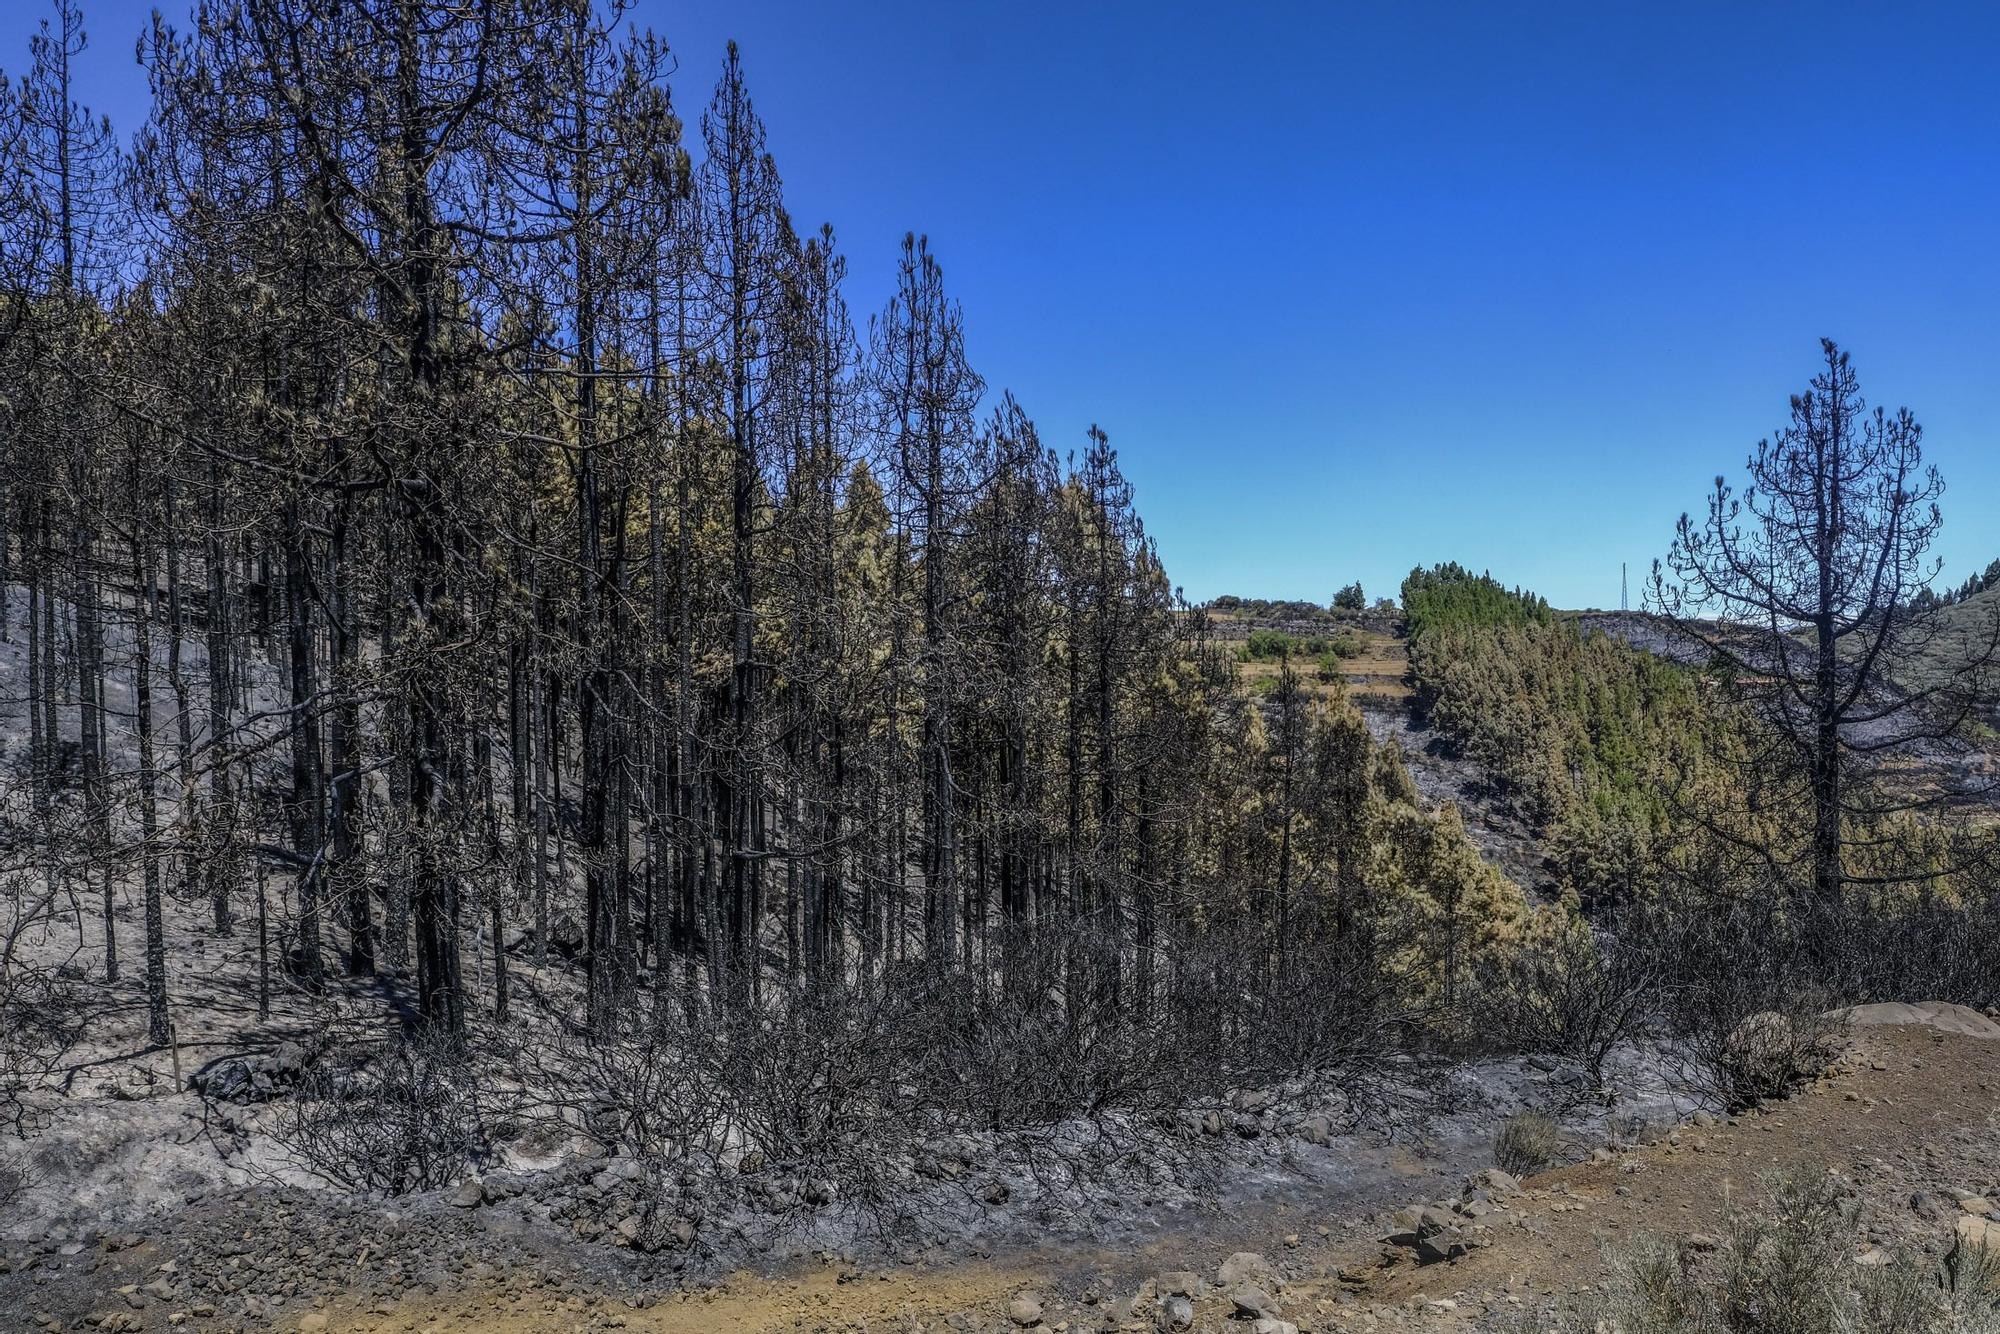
x,y
1907,1118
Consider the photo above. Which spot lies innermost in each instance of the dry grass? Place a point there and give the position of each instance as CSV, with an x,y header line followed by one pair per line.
x,y
1377,672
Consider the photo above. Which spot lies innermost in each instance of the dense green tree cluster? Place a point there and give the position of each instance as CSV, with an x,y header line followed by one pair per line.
x,y
1974,585
1600,745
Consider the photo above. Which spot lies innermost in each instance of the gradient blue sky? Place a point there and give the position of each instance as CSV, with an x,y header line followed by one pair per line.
x,y
1357,287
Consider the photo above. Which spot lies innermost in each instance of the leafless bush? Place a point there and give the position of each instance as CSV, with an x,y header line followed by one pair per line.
x,y
1336,1010
16,1179
1527,1143
390,1119
1568,994
1058,1064
826,1080
1065,1037
1744,998
1789,1270
1903,947
652,1089
42,1016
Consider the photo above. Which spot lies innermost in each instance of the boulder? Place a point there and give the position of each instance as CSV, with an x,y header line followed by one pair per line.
x,y
1271,1325
1940,1015
1025,1310
469,1195
1441,1247
1179,1283
1252,1302
1253,1100
1977,1234
1431,1235
1497,1184
1245,1267
1176,1313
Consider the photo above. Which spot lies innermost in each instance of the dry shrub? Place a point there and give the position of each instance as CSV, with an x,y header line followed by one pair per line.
x,y
1527,1143
1566,993
388,1119
1789,1269
651,1089
1746,995
16,1179
1769,1054
42,1015
828,1079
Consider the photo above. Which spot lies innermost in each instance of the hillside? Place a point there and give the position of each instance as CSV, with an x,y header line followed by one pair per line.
x,y
571,758
1901,1121
1962,773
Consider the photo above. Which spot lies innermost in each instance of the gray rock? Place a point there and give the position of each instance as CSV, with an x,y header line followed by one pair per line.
x,y
1025,1310
469,1195
1253,1100
1176,1313
1252,1302
1436,1239
1245,1267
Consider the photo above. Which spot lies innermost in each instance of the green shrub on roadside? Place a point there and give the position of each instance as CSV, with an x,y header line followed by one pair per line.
x,y
1790,1269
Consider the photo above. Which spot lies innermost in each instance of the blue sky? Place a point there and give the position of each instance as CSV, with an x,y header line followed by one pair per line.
x,y
1357,287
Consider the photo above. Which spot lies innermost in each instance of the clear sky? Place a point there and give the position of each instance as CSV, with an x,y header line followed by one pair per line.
x,y
1354,287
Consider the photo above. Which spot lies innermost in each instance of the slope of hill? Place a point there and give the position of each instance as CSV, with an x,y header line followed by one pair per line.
x,y
1902,1121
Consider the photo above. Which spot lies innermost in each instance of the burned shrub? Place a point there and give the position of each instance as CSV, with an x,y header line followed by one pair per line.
x,y
389,1119
16,1179
1745,1005
42,1016
825,1081
1566,993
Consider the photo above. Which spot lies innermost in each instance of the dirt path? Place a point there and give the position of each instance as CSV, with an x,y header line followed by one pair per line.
x,y
1911,1113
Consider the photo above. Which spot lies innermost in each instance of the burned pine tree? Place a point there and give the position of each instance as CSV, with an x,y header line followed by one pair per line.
x,y
1808,588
